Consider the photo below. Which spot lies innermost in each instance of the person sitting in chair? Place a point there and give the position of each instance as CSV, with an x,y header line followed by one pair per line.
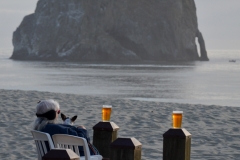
x,y
47,112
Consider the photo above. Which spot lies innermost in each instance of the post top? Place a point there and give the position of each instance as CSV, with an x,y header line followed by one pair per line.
x,y
61,154
123,143
177,133
106,126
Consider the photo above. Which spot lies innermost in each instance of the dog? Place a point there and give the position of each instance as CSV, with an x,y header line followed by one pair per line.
x,y
67,120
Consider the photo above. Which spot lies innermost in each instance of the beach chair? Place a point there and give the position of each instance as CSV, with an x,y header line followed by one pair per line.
x,y
40,139
72,142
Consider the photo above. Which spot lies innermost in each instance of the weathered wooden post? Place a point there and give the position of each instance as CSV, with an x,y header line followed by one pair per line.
x,y
126,149
176,144
103,135
61,154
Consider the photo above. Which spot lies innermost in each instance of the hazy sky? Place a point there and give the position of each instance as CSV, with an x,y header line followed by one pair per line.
x,y
218,21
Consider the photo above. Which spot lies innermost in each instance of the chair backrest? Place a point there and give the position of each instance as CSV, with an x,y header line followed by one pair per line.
x,y
40,139
71,142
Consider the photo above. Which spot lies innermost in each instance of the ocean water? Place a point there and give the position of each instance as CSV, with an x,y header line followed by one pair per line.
x,y
216,82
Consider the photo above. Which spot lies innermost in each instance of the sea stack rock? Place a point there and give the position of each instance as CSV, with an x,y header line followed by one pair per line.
x,y
110,31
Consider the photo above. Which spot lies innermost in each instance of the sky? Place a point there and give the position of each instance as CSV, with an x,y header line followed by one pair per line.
x,y
218,21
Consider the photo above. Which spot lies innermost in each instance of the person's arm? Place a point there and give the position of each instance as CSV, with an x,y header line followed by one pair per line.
x,y
82,132
81,127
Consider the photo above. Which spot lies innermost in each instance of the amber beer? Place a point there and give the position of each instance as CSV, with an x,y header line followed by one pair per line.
x,y
106,113
177,119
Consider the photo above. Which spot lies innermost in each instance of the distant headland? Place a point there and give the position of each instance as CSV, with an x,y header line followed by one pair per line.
x,y
110,31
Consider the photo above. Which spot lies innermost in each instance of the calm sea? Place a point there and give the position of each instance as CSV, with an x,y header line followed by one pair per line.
x,y
216,82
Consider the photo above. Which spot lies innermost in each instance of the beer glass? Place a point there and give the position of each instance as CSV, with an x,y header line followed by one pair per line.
x,y
177,119
106,113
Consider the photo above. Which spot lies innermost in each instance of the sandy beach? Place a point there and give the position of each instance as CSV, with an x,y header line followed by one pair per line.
x,y
215,129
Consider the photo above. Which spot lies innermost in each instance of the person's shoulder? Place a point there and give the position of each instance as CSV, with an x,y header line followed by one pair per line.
x,y
63,128
56,129
66,126
56,126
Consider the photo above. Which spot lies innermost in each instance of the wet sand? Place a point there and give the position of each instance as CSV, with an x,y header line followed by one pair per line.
x,y
215,129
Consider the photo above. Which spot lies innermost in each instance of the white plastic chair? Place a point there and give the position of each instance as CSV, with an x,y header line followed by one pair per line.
x,y
72,142
40,138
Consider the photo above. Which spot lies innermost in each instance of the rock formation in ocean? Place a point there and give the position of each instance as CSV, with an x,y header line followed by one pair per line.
x,y
110,31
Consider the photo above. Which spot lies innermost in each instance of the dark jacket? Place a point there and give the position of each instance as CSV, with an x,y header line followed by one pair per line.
x,y
70,130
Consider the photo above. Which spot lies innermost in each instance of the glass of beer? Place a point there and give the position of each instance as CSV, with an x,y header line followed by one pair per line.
x,y
106,113
177,119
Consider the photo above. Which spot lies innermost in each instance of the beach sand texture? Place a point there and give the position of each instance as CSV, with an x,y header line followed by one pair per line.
x,y
215,129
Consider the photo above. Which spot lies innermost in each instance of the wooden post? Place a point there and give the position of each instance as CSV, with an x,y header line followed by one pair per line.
x,y
103,135
126,149
61,154
176,144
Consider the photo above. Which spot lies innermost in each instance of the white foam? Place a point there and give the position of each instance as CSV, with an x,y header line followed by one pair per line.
x,y
106,106
178,112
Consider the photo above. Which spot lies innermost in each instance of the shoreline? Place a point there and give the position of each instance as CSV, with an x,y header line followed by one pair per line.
x,y
130,97
215,129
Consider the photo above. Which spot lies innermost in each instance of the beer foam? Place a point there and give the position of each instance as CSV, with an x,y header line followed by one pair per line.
x,y
178,112
106,106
